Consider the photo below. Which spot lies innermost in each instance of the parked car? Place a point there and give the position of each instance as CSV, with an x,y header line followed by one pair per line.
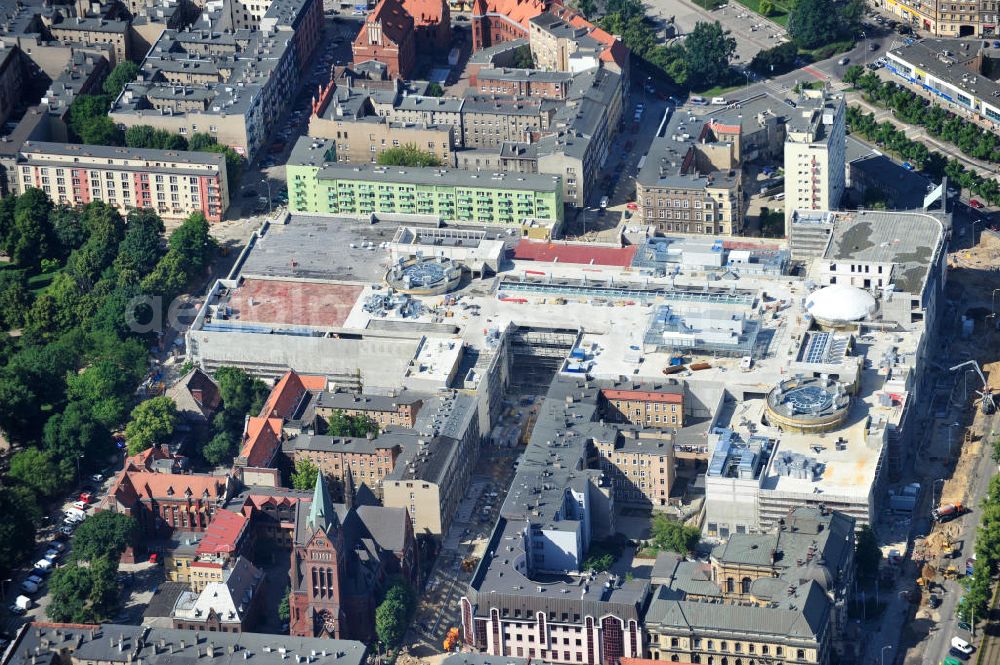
x,y
97,478
908,166
66,530
36,579
955,653
934,601
80,505
843,61
28,586
975,203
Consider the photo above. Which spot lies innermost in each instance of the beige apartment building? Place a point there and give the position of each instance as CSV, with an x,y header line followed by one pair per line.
x,y
945,18
430,111
88,31
640,464
173,183
363,140
659,406
490,121
387,411
691,182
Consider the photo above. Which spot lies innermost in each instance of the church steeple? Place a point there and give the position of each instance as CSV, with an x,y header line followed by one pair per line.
x,y
349,490
321,514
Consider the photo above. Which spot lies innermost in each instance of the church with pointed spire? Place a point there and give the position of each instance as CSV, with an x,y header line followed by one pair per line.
x,y
344,557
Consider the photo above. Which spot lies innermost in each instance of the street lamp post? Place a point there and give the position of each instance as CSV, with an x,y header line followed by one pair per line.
x,y
746,72
882,654
864,57
974,222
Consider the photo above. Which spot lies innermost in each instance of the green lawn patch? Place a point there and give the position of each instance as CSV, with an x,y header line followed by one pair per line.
x,y
38,283
779,15
719,90
830,50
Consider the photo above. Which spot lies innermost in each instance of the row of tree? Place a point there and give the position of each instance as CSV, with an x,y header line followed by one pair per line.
x,y
979,586
68,380
939,122
887,136
816,23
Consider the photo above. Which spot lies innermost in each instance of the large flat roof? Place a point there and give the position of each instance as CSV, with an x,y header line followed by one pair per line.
x,y
441,177
294,302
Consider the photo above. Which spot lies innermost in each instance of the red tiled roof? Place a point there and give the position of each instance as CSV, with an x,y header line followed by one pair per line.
x,y
263,437
396,21
286,395
644,395
175,486
222,534
425,12
549,252
519,11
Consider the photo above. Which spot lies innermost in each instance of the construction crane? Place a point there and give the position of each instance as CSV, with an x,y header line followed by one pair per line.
x,y
986,404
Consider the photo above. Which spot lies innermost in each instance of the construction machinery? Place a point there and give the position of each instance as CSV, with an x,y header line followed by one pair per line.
x,y
986,404
946,512
451,639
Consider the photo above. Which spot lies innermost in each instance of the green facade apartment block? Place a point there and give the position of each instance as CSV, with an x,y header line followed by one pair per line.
x,y
360,190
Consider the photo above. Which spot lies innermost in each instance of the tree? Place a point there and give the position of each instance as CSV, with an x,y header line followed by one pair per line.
x,y
84,593
17,528
241,395
867,554
20,410
234,161
341,424
813,23
139,250
68,231
522,58
192,241
996,450
152,422
284,611
586,7
765,7
408,155
200,141
304,476
39,471
390,622
778,60
14,299
123,74
853,74
674,536
104,534
598,564
708,49
434,89
393,614
220,449
144,136
75,434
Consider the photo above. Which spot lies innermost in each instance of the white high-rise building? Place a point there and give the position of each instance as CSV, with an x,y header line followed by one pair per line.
x,y
814,153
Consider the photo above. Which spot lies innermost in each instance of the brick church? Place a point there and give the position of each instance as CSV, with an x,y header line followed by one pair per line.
x,y
344,557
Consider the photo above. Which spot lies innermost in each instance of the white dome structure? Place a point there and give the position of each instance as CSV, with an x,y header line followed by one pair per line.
x,y
839,305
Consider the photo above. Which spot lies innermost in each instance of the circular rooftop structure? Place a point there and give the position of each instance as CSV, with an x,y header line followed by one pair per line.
x,y
839,305
424,275
808,404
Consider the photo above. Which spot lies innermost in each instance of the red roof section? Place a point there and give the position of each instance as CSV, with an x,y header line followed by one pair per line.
x,y
222,534
175,486
286,395
550,252
263,437
519,11
396,22
425,12
644,395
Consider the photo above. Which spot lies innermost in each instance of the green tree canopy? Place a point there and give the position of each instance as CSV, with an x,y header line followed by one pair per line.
x,y
39,471
408,155
393,614
144,136
75,433
342,424
84,593
152,422
104,534
774,61
707,51
17,528
220,450
241,394
123,74
435,90
674,536
304,476
815,23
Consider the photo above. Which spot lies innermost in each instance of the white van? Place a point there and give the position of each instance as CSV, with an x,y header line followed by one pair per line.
x,y
718,101
779,197
76,514
961,645
698,101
